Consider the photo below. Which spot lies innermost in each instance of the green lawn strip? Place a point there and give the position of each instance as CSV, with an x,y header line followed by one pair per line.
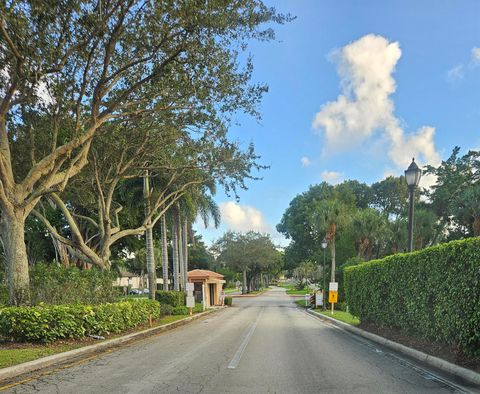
x,y
22,352
342,316
300,303
297,292
230,291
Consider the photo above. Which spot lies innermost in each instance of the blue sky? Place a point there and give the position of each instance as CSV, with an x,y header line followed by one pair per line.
x,y
356,89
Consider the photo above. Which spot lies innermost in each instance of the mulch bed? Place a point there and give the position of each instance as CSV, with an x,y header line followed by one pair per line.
x,y
447,352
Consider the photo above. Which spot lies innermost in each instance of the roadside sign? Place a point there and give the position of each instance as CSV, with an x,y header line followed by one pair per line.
x,y
307,299
189,286
333,286
332,297
190,302
319,298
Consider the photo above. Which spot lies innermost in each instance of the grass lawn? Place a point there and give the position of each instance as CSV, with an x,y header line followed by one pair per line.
x,y
300,303
9,357
17,353
291,290
232,290
342,316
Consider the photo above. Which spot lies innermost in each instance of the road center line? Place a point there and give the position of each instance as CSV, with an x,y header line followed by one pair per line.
x,y
238,355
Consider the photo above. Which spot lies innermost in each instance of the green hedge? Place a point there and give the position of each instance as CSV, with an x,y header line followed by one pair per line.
x,y
228,301
434,293
48,323
55,284
170,297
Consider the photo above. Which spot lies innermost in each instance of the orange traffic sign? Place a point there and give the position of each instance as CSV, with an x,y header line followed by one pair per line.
x,y
333,297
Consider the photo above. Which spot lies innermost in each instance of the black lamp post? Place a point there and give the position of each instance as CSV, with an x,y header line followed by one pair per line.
x,y
324,246
412,177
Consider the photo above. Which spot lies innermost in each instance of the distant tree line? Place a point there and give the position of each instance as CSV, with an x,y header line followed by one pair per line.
x,y
362,222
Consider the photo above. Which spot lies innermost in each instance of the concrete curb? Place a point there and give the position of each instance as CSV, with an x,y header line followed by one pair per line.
x,y
435,362
40,363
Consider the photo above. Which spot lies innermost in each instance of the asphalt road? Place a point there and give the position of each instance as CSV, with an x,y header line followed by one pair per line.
x,y
261,345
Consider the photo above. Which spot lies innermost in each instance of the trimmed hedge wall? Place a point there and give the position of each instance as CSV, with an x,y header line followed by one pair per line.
x,y
170,297
434,293
48,323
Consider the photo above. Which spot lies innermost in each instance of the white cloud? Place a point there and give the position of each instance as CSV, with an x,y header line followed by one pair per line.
x,y
243,218
364,109
305,161
332,177
475,56
456,73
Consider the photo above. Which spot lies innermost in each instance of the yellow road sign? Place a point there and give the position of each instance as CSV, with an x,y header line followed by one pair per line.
x,y
333,297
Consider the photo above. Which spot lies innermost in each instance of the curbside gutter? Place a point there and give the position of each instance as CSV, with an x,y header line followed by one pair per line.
x,y
40,363
432,361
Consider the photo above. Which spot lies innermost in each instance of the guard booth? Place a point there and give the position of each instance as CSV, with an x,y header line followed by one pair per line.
x,y
208,287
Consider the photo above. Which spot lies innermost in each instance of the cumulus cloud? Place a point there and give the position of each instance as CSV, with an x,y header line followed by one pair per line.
x,y
476,55
243,218
456,73
332,177
365,109
305,161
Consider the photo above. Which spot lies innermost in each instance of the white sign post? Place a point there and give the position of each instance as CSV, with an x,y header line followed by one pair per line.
x,y
307,299
319,298
190,298
333,287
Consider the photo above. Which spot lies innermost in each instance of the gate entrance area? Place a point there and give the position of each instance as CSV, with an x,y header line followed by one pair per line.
x,y
207,287
211,288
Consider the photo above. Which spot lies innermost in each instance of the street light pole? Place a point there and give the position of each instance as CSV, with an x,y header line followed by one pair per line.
x,y
324,246
412,177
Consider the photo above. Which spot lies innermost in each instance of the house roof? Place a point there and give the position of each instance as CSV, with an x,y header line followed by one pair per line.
x,y
204,274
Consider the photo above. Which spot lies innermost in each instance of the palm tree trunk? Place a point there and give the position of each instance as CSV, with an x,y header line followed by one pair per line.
x,y
332,249
181,264
163,231
152,275
176,285
244,285
185,250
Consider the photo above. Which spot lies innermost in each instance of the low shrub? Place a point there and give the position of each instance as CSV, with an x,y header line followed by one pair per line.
x,y
59,285
228,301
198,308
180,310
165,309
48,323
419,292
170,297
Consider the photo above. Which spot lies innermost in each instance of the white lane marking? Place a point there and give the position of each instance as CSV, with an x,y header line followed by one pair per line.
x,y
238,355
426,374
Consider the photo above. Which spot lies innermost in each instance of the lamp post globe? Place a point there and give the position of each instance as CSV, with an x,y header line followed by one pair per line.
x,y
324,245
412,176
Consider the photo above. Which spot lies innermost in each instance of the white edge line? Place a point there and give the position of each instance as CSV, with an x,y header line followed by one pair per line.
x,y
238,355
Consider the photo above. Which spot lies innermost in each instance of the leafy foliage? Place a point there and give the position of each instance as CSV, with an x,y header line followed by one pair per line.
x,y
170,297
55,284
48,323
228,301
419,292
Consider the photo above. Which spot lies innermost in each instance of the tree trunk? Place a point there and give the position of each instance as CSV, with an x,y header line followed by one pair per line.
x,y
13,236
244,285
176,286
181,263
476,227
152,274
332,249
163,230
185,250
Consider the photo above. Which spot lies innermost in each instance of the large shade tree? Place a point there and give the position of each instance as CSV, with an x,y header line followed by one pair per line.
x,y
70,67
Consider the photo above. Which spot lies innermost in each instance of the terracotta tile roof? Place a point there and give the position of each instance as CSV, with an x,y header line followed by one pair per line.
x,y
203,274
